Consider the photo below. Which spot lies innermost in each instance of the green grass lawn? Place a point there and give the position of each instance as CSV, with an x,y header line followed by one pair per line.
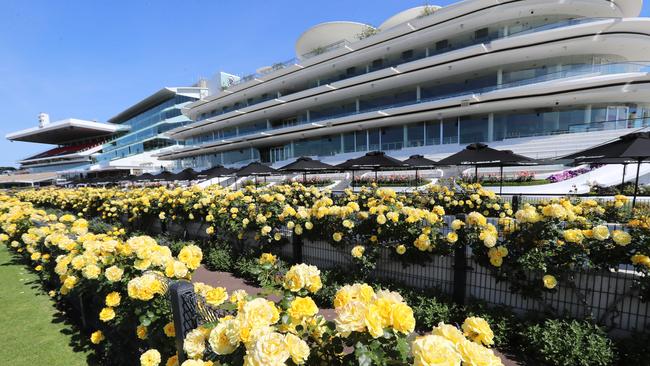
x,y
32,330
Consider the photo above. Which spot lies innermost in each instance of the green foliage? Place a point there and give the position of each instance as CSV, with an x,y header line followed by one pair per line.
x,y
568,343
219,257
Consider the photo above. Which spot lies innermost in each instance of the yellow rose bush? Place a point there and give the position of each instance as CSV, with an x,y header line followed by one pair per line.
x,y
542,245
370,327
553,237
121,281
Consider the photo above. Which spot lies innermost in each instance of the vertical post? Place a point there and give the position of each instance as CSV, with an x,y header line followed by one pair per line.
x,y
501,180
460,270
623,179
515,203
183,312
636,183
297,248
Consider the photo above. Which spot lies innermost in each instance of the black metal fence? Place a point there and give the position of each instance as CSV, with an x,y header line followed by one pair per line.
x,y
189,311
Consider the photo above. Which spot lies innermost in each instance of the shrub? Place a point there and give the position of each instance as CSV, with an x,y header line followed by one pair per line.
x,y
219,257
568,343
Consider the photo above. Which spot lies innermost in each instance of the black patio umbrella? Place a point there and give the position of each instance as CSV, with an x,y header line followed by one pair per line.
x,y
418,162
215,171
305,165
627,149
255,169
186,174
480,155
165,175
375,161
143,177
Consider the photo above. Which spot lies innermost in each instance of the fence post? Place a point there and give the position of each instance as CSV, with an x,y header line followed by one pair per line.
x,y
297,248
460,270
515,203
183,312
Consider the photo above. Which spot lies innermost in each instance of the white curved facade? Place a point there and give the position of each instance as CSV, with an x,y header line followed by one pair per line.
x,y
431,82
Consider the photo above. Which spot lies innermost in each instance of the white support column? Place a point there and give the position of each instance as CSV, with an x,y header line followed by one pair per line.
x,y
308,116
588,114
268,124
441,130
405,136
424,133
342,143
490,136
418,93
499,76
358,105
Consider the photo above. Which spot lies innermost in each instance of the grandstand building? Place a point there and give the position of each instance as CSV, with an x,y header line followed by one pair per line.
x,y
540,77
76,143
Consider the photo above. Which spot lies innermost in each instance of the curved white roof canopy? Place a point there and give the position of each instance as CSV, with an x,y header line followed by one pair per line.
x,y
329,33
65,131
406,15
629,8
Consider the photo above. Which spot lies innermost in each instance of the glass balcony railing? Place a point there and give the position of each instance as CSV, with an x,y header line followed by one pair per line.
x,y
574,71
455,46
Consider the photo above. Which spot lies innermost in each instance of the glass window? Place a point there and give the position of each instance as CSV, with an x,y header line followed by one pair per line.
x,y
415,134
392,138
361,140
433,133
450,131
348,142
473,129
373,139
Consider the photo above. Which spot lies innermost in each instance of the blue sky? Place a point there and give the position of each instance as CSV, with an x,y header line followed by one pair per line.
x,y
92,59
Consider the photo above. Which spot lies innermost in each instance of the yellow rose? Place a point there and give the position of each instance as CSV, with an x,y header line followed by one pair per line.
x,y
476,355
194,343
106,314
452,237
302,307
400,249
267,258
337,236
191,256
269,349
141,332
478,330
357,251
449,332
457,224
600,232
216,296
640,259
113,299
403,319
219,340
97,337
169,329
549,281
298,349
434,350
150,358
621,238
